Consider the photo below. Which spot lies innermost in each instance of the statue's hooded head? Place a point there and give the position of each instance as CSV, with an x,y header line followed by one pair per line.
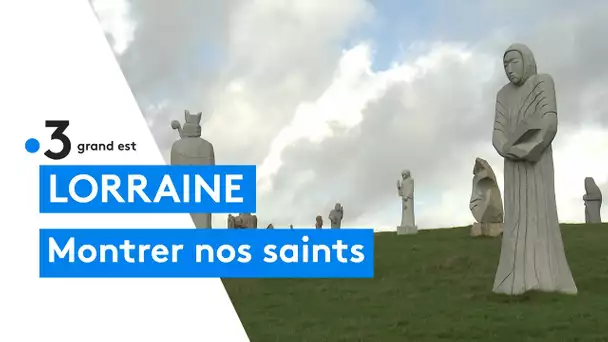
x,y
519,63
482,166
590,186
192,125
405,174
337,206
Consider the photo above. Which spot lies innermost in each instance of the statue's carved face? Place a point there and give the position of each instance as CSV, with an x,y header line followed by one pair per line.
x,y
405,174
514,66
337,206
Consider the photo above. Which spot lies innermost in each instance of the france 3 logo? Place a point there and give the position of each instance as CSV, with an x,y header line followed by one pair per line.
x,y
32,145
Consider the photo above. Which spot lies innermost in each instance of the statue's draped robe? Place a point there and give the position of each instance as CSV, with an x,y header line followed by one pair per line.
x,y
532,256
194,151
406,191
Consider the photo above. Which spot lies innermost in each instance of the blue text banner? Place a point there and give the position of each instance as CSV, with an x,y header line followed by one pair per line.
x,y
147,189
206,253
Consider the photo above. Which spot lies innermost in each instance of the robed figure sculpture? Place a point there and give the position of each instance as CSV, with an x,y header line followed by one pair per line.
x,y
593,201
191,149
405,190
532,255
336,216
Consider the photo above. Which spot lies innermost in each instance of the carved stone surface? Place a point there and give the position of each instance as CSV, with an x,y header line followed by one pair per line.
x,y
231,223
532,256
244,221
405,190
593,201
319,222
270,226
486,202
486,229
191,149
336,216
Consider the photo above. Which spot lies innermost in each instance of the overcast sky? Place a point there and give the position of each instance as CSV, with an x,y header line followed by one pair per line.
x,y
332,99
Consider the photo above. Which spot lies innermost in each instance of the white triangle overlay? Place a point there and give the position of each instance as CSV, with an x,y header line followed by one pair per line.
x,y
57,65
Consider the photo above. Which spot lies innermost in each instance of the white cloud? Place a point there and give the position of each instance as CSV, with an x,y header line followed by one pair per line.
x,y
116,22
323,126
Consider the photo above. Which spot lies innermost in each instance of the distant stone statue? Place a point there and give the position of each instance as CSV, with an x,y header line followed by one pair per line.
x,y
486,203
191,149
336,215
291,226
405,189
270,226
532,256
319,222
231,223
245,221
593,201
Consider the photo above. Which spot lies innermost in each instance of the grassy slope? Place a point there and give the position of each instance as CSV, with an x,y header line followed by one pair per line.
x,y
435,286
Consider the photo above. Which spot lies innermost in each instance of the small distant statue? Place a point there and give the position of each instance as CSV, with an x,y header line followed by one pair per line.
x,y
593,201
405,189
231,223
319,222
532,256
336,215
191,149
291,226
270,226
486,202
244,221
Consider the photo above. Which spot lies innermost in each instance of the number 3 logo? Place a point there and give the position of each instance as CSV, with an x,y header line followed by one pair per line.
x,y
58,134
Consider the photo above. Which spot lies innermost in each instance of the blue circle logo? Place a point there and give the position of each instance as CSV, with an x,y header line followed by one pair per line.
x,y
32,145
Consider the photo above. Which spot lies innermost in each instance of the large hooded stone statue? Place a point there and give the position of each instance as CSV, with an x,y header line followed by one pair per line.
x,y
191,149
593,201
485,203
532,256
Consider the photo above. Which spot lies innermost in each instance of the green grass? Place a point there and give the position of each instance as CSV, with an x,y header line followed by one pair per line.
x,y
434,286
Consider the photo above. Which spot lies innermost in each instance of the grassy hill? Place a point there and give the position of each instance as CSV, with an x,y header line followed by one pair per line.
x,y
434,286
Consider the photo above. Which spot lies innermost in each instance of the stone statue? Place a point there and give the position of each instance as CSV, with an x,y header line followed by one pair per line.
x,y
270,226
593,201
245,221
532,256
291,226
486,203
231,222
405,189
191,149
336,215
319,222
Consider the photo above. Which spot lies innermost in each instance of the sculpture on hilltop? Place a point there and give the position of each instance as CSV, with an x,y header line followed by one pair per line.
x,y
336,216
405,190
319,222
532,255
242,221
191,149
593,201
486,202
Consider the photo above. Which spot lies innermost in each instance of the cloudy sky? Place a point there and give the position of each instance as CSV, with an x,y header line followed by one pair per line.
x,y
332,99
